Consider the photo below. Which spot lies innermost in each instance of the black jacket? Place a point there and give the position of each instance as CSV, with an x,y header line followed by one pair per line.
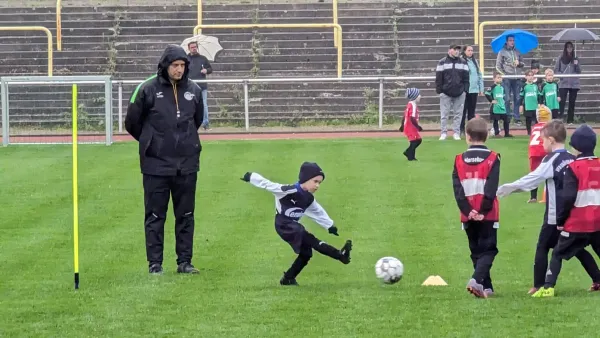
x,y
169,144
197,63
452,76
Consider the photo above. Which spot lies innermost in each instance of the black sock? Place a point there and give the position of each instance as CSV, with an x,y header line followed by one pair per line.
x,y
297,266
534,193
320,246
328,250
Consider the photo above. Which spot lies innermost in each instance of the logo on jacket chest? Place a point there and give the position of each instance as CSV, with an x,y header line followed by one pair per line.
x,y
294,212
188,96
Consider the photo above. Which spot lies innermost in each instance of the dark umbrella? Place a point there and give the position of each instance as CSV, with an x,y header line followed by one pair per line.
x,y
575,34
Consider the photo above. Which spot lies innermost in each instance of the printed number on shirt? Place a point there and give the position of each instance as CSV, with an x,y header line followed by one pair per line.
x,y
535,138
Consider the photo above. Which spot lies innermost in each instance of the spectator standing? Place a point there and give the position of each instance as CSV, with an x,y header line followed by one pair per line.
x,y
164,115
452,83
509,62
199,68
475,86
568,63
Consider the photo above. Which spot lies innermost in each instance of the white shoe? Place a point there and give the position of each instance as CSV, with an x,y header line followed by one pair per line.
x,y
457,137
443,137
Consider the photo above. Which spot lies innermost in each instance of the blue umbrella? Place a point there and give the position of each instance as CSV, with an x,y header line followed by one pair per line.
x,y
524,40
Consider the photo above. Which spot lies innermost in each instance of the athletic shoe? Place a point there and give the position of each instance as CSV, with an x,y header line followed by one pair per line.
x,y
544,292
187,268
476,289
155,269
345,251
288,281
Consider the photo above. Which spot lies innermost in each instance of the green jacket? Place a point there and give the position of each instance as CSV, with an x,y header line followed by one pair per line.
x,y
496,92
530,96
549,94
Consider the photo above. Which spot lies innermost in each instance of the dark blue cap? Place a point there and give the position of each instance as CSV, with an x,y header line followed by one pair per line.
x,y
583,139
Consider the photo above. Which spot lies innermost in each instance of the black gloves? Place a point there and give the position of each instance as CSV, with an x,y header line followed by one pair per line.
x,y
333,230
246,177
420,128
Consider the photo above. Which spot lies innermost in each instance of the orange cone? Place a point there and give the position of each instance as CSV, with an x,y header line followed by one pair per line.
x,y
543,200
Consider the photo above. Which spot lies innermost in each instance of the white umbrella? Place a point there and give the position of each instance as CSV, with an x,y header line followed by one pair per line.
x,y
208,46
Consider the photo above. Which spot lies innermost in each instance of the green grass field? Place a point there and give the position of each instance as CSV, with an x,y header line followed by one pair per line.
x,y
385,204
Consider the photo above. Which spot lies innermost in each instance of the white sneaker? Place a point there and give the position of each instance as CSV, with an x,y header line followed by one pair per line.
x,y
457,137
443,137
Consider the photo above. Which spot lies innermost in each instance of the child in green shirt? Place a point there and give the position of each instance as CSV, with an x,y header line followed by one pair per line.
x,y
549,93
529,101
495,94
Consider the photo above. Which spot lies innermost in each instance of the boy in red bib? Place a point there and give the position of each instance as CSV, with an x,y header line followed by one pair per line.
x,y
578,217
410,123
475,181
536,146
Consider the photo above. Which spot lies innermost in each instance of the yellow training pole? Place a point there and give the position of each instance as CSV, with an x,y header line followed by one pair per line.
x,y
75,194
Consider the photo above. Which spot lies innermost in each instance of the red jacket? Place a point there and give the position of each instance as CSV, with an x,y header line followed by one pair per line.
x,y
536,145
582,179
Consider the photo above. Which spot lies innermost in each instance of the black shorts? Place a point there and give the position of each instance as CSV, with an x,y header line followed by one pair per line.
x,y
570,243
291,232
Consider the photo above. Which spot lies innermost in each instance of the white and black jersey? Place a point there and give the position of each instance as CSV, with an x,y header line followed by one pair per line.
x,y
291,202
551,170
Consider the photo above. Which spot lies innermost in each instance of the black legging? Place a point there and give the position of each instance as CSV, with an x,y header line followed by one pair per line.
x,y
410,152
469,110
563,100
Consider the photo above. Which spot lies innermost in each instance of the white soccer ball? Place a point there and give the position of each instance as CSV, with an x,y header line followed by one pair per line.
x,y
389,270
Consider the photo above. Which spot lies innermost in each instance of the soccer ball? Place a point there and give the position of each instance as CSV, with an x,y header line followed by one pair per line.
x,y
389,270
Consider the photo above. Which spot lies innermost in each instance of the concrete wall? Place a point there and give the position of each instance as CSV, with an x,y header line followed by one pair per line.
x,y
379,38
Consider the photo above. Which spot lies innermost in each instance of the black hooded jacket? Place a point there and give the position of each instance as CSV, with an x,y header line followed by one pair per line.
x,y
169,144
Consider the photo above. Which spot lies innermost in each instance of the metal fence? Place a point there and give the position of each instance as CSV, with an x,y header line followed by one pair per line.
x,y
106,101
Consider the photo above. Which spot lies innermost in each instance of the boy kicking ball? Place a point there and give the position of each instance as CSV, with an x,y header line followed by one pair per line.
x,y
551,170
291,203
475,181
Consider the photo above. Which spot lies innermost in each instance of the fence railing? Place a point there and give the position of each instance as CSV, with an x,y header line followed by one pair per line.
x,y
336,36
109,86
381,80
36,28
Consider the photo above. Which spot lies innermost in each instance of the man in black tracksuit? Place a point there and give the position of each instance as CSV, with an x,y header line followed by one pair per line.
x,y
452,84
164,115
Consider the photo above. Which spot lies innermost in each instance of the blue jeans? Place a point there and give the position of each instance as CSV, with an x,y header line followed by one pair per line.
x,y
205,104
514,86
